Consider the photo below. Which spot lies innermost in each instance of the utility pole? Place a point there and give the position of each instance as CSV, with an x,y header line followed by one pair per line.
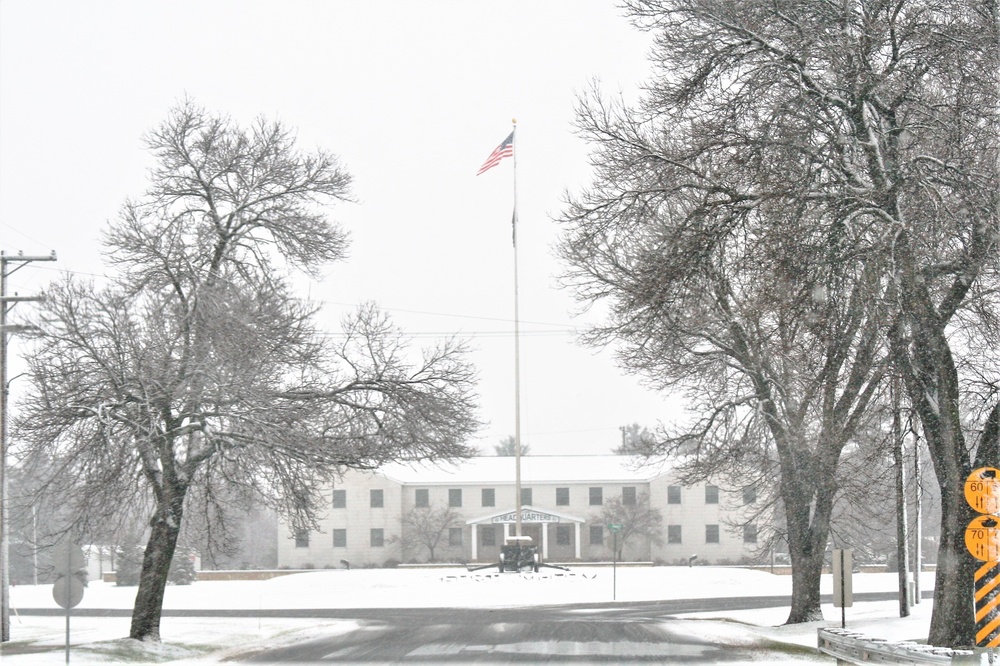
x,y
6,303
918,534
902,547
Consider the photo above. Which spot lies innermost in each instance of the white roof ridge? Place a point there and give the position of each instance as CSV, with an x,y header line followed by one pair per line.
x,y
535,469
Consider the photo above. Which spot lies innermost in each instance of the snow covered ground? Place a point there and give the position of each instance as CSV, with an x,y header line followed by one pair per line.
x,y
38,640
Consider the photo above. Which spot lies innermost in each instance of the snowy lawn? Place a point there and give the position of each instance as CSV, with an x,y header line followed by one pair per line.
x,y
38,640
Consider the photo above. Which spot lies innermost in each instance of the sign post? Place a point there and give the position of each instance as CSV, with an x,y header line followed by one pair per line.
x,y
615,529
843,585
68,560
982,539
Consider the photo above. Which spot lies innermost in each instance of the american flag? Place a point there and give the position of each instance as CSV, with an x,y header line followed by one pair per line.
x,y
505,149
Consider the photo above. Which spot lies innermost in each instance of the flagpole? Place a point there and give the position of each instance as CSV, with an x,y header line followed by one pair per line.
x,y
517,353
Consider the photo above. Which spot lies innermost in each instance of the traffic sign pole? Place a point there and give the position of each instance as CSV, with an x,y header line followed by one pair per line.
x,y
67,590
982,539
615,529
843,586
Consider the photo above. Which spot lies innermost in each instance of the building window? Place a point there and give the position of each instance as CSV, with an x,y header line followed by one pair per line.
x,y
628,496
377,498
674,534
563,535
302,539
377,537
525,496
673,494
750,533
489,497
339,499
454,536
454,497
596,535
711,494
562,496
596,496
711,534
422,498
339,538
488,536
749,494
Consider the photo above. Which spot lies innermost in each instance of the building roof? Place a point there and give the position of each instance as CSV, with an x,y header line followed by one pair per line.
x,y
500,470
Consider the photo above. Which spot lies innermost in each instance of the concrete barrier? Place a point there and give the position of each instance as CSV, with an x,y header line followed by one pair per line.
x,y
850,647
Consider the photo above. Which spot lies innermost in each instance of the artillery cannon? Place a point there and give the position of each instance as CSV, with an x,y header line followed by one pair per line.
x,y
519,554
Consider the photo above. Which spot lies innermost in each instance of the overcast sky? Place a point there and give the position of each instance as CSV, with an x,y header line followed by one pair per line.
x,y
413,96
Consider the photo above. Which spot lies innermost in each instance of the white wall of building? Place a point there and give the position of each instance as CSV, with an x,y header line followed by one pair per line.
x,y
691,517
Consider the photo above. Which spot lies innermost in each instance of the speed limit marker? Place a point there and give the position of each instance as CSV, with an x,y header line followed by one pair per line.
x,y
982,490
982,538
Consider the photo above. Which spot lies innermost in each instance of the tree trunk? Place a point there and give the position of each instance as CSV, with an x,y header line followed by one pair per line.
x,y
953,617
808,528
922,352
807,567
155,569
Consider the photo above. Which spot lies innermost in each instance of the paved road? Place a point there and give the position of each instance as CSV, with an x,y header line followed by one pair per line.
x,y
623,632
521,636
589,633
636,633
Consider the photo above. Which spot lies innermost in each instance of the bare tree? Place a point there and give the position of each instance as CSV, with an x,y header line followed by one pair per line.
x,y
791,187
425,527
197,369
776,343
638,520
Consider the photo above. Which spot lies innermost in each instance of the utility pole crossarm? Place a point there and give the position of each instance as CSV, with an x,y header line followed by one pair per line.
x,y
4,300
19,299
23,258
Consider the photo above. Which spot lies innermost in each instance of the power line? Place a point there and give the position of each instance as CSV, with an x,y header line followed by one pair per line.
x,y
559,329
466,334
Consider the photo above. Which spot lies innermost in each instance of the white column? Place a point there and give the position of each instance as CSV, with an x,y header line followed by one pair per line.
x,y
506,532
475,541
545,540
576,527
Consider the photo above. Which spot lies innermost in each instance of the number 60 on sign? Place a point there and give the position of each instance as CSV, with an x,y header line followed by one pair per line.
x,y
982,490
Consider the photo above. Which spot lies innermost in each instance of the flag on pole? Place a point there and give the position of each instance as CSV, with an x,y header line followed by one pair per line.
x,y
505,149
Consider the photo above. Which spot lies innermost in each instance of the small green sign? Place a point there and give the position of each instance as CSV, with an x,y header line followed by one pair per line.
x,y
615,527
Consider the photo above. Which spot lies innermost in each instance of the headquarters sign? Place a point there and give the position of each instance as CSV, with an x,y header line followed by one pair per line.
x,y
527,516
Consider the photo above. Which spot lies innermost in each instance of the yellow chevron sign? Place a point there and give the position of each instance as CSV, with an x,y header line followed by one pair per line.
x,y
987,602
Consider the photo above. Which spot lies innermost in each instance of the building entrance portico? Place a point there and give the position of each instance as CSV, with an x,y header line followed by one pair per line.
x,y
533,522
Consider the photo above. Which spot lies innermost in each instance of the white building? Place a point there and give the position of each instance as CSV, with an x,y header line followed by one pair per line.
x,y
369,521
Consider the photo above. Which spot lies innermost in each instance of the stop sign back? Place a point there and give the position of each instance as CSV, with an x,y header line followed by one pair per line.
x,y
67,591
